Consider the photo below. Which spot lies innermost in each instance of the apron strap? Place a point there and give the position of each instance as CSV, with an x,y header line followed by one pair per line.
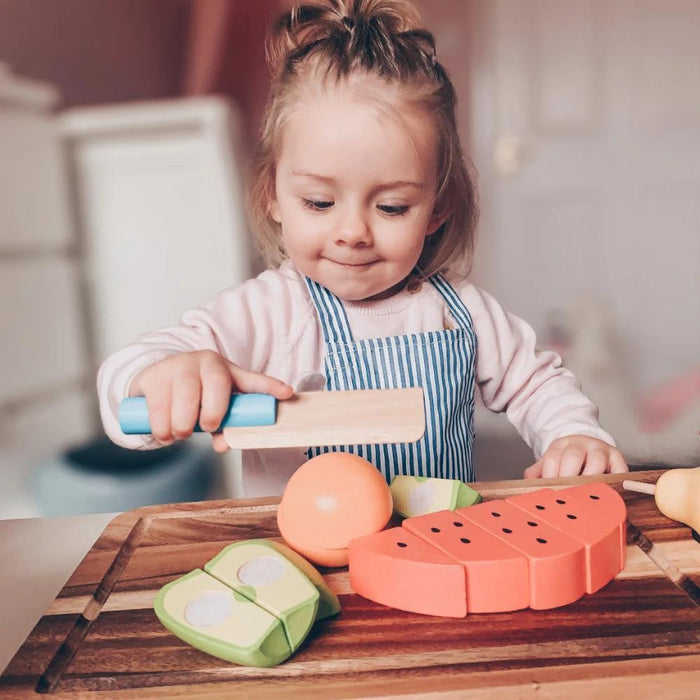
x,y
331,313
454,303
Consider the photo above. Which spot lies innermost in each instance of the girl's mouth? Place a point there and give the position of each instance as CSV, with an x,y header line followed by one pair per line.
x,y
354,265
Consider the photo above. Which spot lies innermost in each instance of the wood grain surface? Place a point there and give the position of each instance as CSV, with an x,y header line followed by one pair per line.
x,y
637,637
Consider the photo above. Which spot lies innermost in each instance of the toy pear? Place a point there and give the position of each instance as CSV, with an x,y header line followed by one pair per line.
x,y
677,495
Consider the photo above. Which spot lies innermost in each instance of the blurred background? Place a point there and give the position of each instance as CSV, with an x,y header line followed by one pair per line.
x,y
125,131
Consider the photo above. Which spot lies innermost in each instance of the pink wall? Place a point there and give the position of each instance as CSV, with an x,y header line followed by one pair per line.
x,y
97,50
102,51
225,52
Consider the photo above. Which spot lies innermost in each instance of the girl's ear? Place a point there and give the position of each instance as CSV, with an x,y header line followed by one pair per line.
x,y
275,211
436,220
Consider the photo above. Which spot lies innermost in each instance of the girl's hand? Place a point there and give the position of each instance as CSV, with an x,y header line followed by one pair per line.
x,y
577,454
197,385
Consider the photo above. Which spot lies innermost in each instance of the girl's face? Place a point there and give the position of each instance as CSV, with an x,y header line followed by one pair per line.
x,y
355,190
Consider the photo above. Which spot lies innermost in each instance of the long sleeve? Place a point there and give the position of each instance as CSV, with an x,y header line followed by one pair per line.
x,y
254,325
541,398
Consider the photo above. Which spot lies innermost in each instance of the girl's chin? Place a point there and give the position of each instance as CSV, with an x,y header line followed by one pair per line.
x,y
362,292
351,294
351,291
355,285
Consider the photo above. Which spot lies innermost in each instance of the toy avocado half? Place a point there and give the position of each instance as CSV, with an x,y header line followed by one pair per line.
x,y
418,495
259,572
217,620
254,604
328,603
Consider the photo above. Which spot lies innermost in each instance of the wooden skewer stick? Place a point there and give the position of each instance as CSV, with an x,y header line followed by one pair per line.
x,y
639,486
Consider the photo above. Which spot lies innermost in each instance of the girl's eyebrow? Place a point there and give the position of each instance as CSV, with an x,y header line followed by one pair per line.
x,y
400,183
314,176
384,186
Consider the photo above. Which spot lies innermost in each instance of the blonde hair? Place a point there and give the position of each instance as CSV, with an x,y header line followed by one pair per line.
x,y
381,38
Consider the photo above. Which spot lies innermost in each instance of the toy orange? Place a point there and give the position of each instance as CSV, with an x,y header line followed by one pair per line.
x,y
330,500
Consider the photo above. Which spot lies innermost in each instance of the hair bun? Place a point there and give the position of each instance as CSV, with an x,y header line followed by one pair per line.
x,y
395,15
341,22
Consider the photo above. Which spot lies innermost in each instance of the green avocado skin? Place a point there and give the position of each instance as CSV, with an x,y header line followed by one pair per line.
x,y
271,652
466,496
281,639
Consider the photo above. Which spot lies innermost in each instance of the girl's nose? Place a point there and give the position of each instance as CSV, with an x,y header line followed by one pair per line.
x,y
354,231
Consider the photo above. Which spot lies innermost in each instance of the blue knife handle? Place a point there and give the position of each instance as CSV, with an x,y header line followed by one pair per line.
x,y
245,410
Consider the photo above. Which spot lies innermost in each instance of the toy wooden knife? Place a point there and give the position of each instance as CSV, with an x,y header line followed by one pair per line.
x,y
314,418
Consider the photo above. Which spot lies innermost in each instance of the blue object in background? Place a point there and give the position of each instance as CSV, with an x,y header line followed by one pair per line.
x,y
101,477
245,410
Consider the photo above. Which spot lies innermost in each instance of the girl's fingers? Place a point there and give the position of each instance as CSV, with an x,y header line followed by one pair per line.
x,y
219,443
596,462
187,392
617,463
567,461
534,471
550,463
216,396
253,382
159,414
572,460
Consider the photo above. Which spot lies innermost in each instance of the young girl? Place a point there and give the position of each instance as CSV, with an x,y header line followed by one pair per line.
x,y
365,210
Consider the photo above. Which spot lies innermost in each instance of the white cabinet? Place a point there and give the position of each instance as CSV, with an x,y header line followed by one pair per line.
x,y
114,220
45,400
159,203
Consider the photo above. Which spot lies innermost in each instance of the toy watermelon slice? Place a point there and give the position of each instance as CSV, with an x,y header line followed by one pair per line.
x,y
497,574
402,571
541,549
575,511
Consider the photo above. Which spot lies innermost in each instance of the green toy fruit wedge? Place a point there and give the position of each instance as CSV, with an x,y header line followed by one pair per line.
x,y
328,603
257,570
418,495
212,617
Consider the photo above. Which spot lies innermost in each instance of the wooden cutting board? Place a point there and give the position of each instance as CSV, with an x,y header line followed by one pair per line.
x,y
637,637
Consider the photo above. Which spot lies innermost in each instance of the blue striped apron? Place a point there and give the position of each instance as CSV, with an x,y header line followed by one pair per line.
x,y
441,362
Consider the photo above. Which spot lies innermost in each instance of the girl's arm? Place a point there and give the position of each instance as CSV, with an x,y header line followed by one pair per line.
x,y
240,324
541,398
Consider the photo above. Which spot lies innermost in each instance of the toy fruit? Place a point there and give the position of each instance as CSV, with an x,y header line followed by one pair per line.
x,y
330,500
541,549
397,568
218,620
418,495
328,603
253,604
677,495
257,571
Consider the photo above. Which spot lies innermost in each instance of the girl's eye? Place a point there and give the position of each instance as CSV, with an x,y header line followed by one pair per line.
x,y
393,210
317,204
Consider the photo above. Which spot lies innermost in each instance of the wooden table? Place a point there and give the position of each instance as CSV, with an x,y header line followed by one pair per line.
x,y
637,637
